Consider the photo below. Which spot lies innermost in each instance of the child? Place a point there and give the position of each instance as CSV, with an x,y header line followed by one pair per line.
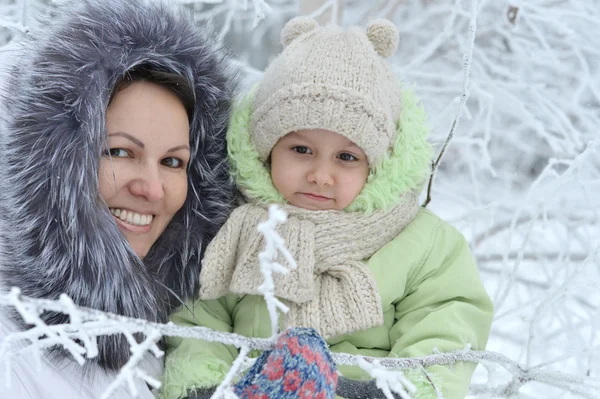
x,y
330,134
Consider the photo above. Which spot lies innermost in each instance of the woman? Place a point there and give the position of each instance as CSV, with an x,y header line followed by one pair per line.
x,y
113,176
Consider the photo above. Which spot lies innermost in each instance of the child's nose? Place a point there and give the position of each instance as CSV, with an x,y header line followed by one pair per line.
x,y
320,174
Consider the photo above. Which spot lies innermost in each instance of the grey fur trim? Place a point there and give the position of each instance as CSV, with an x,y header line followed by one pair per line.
x,y
355,389
56,233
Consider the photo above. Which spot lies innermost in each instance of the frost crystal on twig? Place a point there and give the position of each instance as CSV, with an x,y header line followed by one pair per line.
x,y
388,380
463,97
225,389
274,245
131,370
96,323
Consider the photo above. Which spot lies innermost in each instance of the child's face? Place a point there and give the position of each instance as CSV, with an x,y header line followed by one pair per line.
x,y
318,169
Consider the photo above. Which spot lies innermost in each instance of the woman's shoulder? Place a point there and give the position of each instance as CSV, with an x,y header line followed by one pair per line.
x,y
30,378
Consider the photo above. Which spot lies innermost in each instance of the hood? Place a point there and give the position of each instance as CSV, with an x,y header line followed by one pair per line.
x,y
56,233
405,168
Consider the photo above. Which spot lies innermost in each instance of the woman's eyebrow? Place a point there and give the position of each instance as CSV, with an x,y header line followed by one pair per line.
x,y
129,137
179,147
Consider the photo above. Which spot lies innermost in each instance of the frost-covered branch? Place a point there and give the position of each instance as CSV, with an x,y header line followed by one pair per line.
x,y
88,324
97,323
388,381
132,370
225,389
467,60
274,246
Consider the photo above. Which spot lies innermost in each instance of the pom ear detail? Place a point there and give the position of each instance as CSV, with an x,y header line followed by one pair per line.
x,y
383,34
296,27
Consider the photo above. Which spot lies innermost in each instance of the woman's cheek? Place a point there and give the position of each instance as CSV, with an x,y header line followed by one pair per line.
x,y
177,189
109,178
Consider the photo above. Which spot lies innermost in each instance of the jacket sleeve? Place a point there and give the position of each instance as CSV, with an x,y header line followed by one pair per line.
x,y
446,308
192,364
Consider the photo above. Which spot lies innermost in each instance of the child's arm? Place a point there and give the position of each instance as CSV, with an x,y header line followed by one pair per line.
x,y
446,308
192,366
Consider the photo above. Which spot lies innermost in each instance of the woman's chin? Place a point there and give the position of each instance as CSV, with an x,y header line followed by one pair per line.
x,y
138,246
141,252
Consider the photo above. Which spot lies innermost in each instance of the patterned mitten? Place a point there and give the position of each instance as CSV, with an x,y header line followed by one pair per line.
x,y
299,367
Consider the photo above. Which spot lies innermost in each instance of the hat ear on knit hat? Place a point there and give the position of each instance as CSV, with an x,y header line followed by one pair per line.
x,y
384,37
297,27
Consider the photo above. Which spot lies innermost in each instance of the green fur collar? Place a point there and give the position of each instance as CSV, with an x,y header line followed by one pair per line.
x,y
405,168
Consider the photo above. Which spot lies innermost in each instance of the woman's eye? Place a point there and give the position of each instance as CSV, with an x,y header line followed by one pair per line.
x,y
346,157
116,153
172,162
300,149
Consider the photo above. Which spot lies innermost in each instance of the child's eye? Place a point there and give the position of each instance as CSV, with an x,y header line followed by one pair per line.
x,y
347,157
172,162
300,149
116,153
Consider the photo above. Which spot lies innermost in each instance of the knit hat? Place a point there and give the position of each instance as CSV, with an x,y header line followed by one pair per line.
x,y
405,169
330,78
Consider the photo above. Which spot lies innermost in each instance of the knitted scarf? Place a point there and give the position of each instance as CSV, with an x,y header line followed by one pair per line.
x,y
332,289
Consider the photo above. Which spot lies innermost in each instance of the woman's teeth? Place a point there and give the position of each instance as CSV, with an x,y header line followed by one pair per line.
x,y
132,217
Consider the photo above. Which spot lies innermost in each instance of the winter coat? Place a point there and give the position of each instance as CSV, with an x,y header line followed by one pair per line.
x,y
431,292
432,298
56,233
62,378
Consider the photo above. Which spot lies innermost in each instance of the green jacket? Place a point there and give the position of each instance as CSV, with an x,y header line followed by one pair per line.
x,y
432,299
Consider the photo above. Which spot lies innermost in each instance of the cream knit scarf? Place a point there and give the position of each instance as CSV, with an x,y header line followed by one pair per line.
x,y
331,289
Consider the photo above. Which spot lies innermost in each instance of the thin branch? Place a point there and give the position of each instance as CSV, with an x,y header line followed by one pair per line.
x,y
467,61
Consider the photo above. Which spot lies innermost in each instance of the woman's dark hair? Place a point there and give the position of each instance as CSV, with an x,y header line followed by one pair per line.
x,y
177,84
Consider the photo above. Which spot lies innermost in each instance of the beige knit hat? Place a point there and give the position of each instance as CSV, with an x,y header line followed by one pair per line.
x,y
334,79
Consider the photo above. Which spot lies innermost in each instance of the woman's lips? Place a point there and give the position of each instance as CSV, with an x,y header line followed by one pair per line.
x,y
133,228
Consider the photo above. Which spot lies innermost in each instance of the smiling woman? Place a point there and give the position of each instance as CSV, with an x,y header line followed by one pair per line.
x,y
143,171
113,177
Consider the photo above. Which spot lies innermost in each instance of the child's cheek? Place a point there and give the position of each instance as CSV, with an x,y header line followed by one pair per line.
x,y
352,185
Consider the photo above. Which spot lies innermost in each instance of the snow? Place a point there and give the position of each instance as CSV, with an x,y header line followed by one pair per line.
x,y
520,176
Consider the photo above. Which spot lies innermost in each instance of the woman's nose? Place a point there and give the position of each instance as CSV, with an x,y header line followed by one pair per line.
x,y
148,184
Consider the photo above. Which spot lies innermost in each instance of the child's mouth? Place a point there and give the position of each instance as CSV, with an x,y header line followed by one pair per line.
x,y
316,197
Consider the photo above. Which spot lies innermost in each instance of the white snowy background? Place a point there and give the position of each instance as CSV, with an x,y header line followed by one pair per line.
x,y
520,177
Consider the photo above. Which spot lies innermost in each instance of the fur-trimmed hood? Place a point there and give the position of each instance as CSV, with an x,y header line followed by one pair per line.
x,y
57,235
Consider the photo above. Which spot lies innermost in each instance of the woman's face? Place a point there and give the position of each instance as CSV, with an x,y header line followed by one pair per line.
x,y
143,173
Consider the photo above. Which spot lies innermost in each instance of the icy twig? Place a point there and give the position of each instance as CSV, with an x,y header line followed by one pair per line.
x,y
467,61
94,323
225,390
274,245
13,25
388,380
520,375
132,370
261,8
